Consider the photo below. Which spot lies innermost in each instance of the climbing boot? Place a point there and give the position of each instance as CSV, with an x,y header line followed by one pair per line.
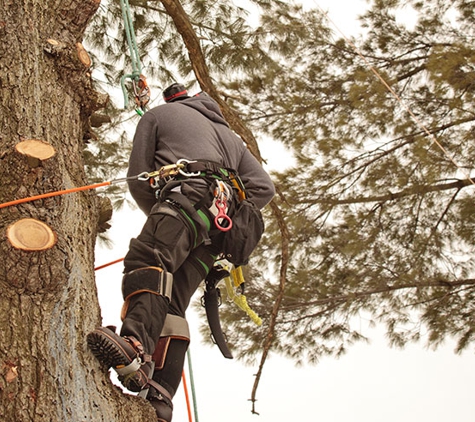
x,y
124,354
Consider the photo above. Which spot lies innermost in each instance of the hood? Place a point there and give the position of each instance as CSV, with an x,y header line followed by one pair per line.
x,y
208,107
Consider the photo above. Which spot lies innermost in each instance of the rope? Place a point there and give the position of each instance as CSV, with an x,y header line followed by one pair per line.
x,y
141,90
188,407
142,176
132,42
51,194
193,392
100,267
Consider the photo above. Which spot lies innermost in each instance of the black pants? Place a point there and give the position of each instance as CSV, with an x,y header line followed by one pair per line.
x,y
170,240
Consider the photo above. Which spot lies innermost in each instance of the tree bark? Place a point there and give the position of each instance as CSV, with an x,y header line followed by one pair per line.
x,y
48,299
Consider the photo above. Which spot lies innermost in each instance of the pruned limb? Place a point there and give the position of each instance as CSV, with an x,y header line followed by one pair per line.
x,y
83,55
35,150
29,234
72,62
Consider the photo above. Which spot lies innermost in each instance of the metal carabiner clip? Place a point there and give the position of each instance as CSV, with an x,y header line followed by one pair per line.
x,y
182,162
144,176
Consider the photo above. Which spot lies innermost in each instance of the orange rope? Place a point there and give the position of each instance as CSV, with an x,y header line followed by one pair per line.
x,y
188,406
110,263
51,194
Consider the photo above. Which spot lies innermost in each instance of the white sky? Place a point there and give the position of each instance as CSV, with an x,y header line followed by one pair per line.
x,y
372,383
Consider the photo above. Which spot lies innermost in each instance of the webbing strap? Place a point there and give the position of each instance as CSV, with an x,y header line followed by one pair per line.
x,y
192,212
213,169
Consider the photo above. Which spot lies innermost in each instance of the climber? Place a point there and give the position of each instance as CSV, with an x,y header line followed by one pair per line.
x,y
180,240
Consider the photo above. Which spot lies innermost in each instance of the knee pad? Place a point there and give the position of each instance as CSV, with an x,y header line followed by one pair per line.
x,y
170,352
176,331
146,280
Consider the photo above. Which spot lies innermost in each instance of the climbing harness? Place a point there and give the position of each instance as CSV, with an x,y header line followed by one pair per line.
x,y
223,184
139,82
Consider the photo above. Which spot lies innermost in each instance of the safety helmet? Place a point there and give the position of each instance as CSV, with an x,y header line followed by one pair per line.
x,y
174,92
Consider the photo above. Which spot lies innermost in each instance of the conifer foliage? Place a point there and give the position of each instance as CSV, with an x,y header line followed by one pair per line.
x,y
373,219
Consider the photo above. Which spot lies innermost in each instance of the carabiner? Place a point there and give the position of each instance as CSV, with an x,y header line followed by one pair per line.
x,y
221,205
144,176
183,162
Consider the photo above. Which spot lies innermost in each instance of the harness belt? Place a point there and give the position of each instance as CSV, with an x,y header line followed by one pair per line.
x,y
212,169
184,168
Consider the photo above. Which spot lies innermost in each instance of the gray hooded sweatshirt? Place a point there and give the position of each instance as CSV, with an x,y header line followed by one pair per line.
x,y
193,129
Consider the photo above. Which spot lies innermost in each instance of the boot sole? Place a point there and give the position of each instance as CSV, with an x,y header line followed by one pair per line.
x,y
106,349
112,355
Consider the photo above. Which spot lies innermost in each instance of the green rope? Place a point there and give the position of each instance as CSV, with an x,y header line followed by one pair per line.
x,y
129,31
133,49
192,382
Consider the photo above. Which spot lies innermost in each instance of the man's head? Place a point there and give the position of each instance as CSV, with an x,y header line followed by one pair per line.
x,y
175,92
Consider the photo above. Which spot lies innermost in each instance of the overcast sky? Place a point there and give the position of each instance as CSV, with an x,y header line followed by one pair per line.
x,y
372,383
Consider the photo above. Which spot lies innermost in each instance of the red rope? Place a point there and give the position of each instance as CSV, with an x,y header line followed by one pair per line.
x,y
110,263
188,406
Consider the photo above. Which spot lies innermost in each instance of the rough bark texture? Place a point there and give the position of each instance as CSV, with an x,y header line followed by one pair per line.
x,y
48,298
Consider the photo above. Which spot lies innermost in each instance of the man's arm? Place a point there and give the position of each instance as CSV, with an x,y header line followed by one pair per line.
x,y
259,187
142,159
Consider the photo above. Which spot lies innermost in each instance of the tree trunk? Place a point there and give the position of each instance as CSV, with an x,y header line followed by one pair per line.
x,y
48,299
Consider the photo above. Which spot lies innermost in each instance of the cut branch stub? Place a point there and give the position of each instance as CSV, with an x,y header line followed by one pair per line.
x,y
83,56
35,150
29,234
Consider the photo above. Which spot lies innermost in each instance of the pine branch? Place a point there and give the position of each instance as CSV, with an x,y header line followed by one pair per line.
x,y
413,190
364,294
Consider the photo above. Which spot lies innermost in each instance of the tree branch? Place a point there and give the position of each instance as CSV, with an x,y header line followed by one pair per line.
x,y
413,190
386,289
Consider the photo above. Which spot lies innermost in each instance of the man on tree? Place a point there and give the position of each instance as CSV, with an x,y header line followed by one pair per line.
x,y
190,210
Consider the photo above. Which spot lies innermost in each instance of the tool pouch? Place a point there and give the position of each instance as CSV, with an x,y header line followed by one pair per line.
x,y
245,234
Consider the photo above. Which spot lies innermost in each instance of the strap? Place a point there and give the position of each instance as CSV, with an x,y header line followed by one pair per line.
x,y
152,279
183,202
213,169
209,168
175,326
163,394
212,300
144,392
